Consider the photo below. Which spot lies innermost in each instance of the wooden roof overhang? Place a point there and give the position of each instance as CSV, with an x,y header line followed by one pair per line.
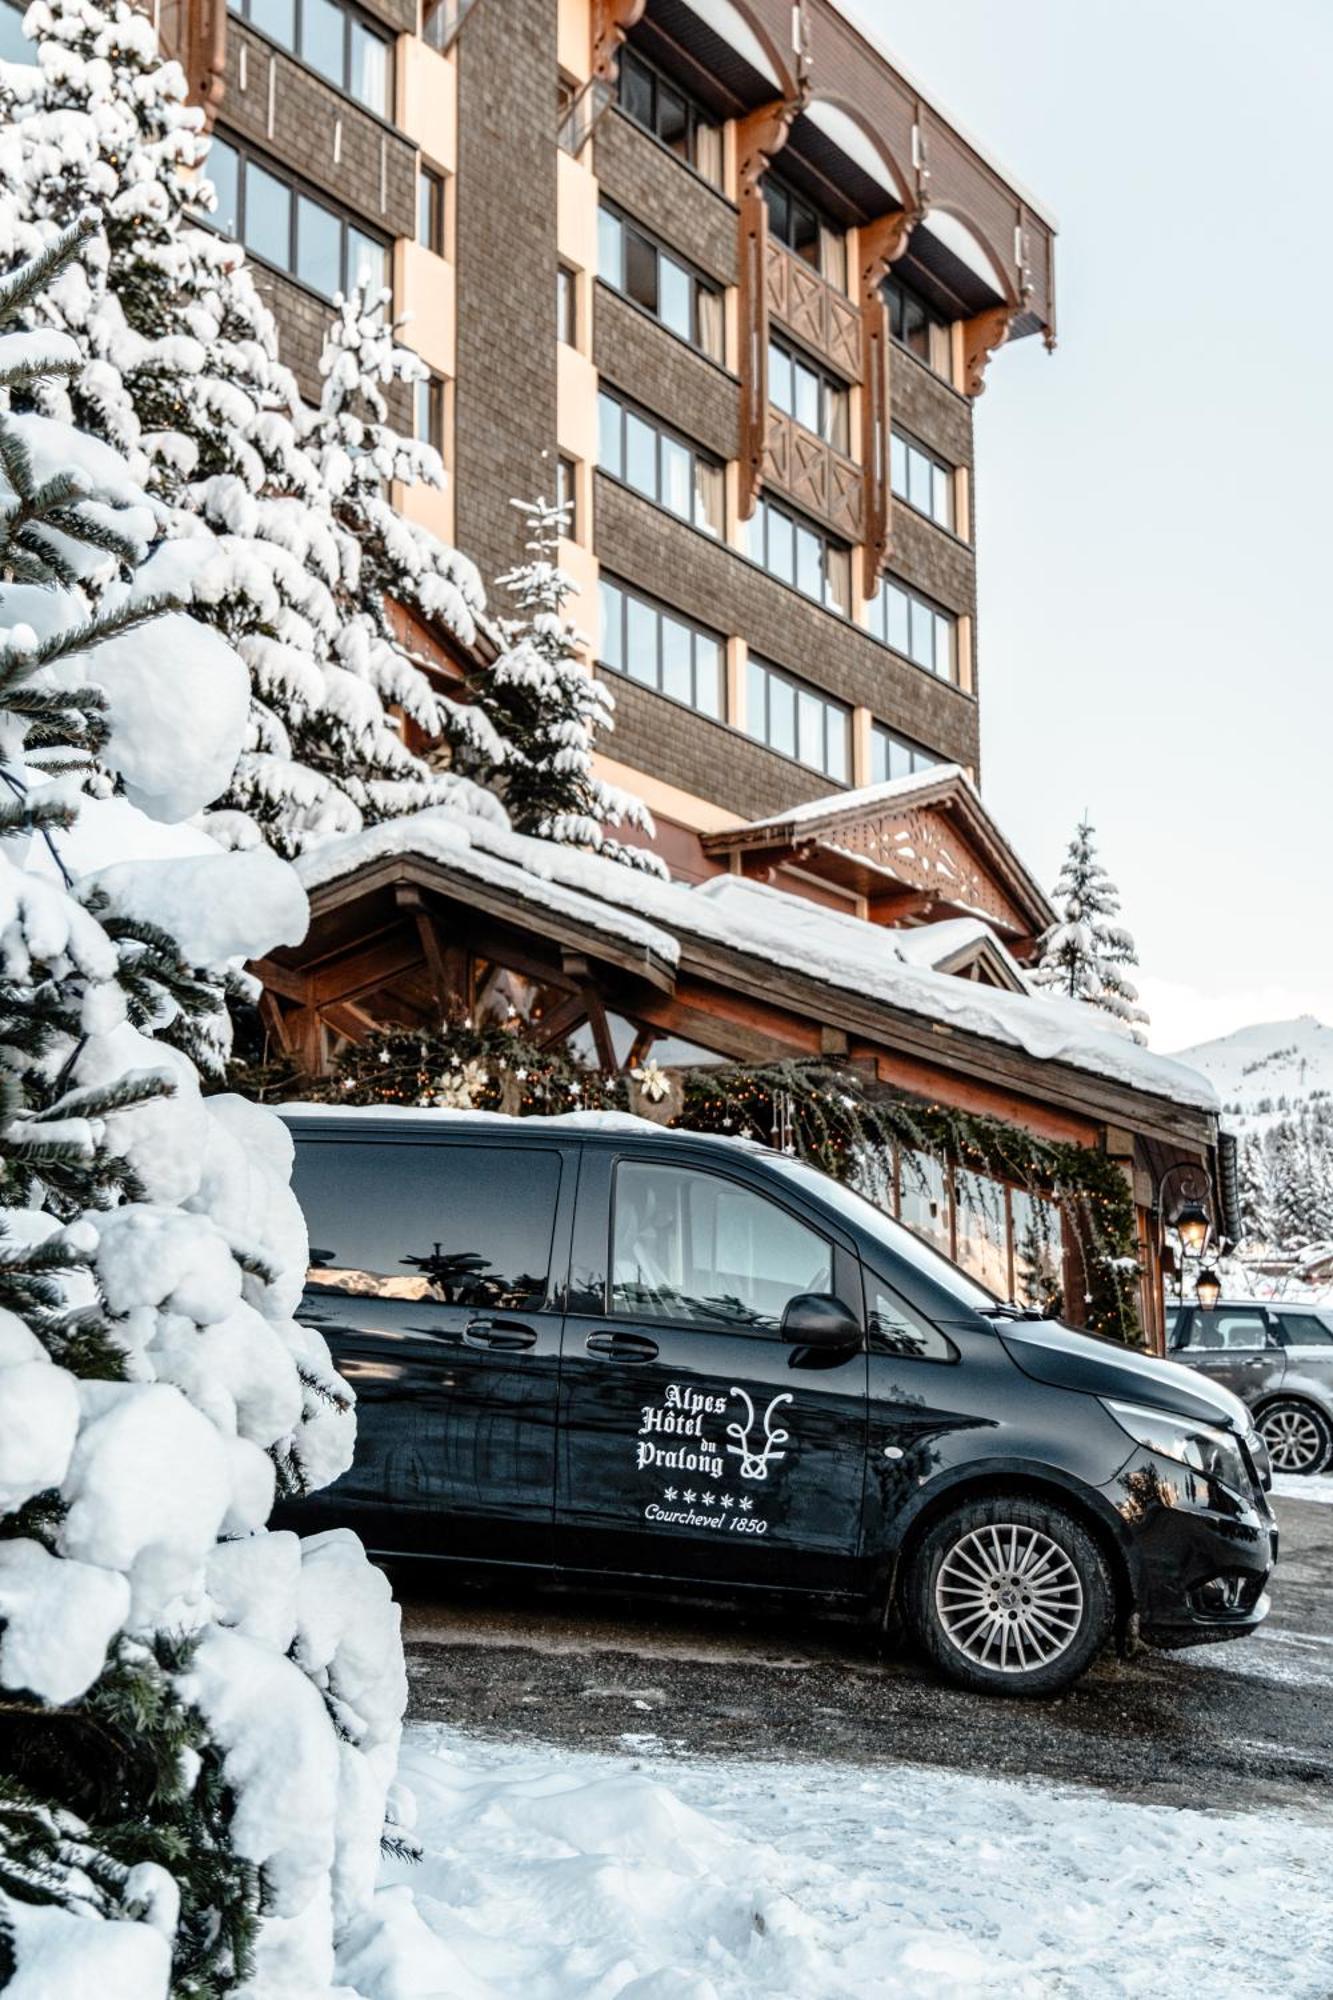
x,y
929,850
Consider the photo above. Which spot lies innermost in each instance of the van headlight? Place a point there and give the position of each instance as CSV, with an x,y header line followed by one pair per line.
x,y
1213,1453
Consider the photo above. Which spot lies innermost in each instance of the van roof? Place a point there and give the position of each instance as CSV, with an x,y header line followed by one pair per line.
x,y
426,1118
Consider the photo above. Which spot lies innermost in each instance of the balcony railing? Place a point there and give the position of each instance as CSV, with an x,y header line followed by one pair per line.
x,y
814,476
819,315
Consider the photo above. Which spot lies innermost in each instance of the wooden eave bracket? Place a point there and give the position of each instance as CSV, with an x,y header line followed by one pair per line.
x,y
881,243
982,335
611,23
760,136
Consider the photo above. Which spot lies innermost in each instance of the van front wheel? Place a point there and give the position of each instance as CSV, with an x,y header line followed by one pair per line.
x,y
1009,1596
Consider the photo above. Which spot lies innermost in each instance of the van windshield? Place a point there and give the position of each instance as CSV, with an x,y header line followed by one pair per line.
x,y
904,1243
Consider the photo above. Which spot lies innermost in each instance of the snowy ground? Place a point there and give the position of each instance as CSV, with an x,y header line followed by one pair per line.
x,y
564,1876
1299,1486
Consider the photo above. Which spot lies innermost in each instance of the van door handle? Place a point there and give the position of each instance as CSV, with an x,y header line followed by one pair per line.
x,y
622,1346
508,1334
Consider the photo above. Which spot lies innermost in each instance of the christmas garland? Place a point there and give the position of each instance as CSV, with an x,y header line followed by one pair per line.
x,y
830,1115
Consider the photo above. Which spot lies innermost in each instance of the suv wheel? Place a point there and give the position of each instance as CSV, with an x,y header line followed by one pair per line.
x,y
1010,1596
1299,1437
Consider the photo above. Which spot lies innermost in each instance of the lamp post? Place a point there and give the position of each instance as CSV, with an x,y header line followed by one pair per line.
x,y
1208,1288
1184,1203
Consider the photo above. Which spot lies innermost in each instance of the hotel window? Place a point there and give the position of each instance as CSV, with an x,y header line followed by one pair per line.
x,y
894,756
566,306
332,39
567,493
281,225
918,327
916,628
797,720
430,210
658,464
662,108
798,553
631,263
814,399
649,644
922,480
797,223
429,400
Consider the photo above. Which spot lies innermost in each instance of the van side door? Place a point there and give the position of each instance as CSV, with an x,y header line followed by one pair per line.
x,y
696,1443
436,1276
1232,1345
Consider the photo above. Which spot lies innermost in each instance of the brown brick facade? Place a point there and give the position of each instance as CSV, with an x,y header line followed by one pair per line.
x,y
932,559
929,408
667,197
505,409
707,758
631,352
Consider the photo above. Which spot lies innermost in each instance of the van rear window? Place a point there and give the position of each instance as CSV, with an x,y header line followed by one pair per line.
x,y
444,1225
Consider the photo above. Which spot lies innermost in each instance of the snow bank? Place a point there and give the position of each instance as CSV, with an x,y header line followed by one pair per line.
x,y
581,1877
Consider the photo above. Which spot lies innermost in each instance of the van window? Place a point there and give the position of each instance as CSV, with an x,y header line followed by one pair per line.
x,y
1224,1329
895,1329
1305,1329
690,1245
448,1225
903,1243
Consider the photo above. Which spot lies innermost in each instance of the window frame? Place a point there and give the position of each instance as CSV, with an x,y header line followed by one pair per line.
x,y
567,492
434,184
830,704
628,594
714,1173
777,189
632,59
297,191
433,388
938,465
668,434
800,523
566,305
880,732
896,292
833,395
352,16
928,605
699,284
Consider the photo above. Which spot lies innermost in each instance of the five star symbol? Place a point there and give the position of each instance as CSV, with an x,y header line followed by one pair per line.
x,y
668,1492
708,1498
688,1496
746,1503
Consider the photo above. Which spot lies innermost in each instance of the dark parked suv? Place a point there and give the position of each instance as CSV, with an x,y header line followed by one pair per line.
x,y
605,1351
1278,1359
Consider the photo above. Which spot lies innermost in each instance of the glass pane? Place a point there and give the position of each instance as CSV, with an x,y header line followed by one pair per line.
x,y
838,579
564,305
805,231
276,18
810,729
805,393
779,379
319,235
896,1329
610,445
1038,1256
922,646
895,621
782,715
473,1230
636,89
640,455
809,564
835,258
613,640
920,473
944,664
779,210
641,644
708,492
708,308
756,700
708,153
677,680
429,197
941,499
640,271
781,546
609,247
693,1246
925,1201
879,756
898,465
367,257
674,308
836,424
983,1233
677,480
322,29
837,762
673,120
754,533
707,675
268,216
370,69
223,168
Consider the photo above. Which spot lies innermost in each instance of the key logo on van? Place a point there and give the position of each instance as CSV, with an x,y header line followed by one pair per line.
x,y
755,1457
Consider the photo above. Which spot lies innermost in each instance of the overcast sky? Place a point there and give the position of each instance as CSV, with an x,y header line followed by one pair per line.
x,y
1152,499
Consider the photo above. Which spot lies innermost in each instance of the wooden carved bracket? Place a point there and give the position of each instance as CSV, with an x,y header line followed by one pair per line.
x,y
882,242
194,32
760,135
982,334
611,23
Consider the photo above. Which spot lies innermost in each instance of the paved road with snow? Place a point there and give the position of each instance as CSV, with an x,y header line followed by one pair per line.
x,y
1233,1727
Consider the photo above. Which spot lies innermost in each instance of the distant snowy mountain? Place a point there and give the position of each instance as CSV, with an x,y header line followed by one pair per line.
x,y
1269,1072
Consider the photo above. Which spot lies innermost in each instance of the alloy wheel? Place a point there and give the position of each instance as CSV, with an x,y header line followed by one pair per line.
x,y
1009,1598
1295,1440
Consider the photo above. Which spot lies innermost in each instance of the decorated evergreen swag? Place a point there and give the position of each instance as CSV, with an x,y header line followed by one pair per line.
x,y
825,1114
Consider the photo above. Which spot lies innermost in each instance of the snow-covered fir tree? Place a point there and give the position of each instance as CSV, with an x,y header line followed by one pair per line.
x,y
198,1717
551,711
1084,951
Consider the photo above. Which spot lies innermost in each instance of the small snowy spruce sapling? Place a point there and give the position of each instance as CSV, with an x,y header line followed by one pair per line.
x,y
1084,950
550,711
198,1717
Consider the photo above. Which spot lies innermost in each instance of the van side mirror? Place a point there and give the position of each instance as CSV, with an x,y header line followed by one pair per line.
x,y
817,1319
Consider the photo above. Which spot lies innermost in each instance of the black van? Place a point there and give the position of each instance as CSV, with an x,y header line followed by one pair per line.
x,y
607,1351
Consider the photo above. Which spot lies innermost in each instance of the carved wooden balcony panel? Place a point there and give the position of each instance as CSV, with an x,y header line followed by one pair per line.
x,y
821,317
814,477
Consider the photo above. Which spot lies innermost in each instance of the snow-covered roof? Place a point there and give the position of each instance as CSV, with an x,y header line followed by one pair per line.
x,y
866,799
766,924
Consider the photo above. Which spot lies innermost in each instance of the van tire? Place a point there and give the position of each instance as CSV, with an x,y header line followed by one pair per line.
x,y
1046,1617
1299,1433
